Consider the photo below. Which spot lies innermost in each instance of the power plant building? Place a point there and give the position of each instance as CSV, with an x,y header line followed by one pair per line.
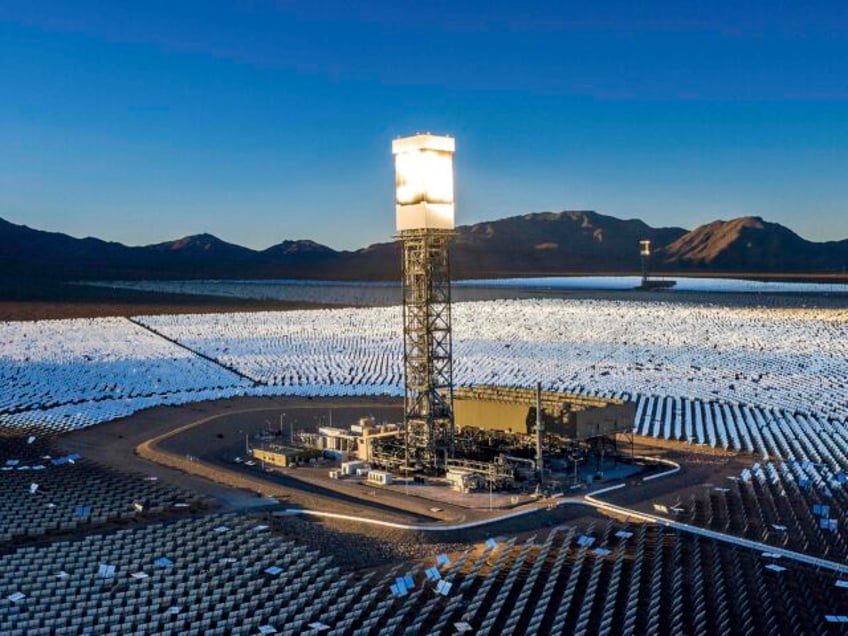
x,y
284,456
513,410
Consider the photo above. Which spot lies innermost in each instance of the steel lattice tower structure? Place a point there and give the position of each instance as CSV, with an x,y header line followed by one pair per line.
x,y
425,222
427,347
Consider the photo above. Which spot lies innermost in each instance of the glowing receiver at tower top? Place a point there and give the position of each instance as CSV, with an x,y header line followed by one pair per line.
x,y
424,182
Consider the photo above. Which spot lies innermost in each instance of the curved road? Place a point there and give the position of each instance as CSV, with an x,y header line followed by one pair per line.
x,y
148,449
592,501
156,449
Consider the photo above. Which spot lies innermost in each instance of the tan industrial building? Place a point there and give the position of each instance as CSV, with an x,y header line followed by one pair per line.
x,y
513,410
284,456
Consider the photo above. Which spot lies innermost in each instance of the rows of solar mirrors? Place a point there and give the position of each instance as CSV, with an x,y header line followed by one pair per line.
x,y
766,381
206,574
65,569
47,491
233,574
794,505
67,374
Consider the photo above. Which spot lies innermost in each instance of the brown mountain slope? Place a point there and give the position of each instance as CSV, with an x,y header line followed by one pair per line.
x,y
750,244
552,242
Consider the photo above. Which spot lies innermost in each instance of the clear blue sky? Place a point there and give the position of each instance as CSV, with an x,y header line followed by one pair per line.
x,y
261,120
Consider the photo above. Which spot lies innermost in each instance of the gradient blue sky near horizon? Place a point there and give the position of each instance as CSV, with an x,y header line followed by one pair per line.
x,y
264,120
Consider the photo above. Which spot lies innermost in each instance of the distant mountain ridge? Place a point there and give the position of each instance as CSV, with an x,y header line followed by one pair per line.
x,y
546,242
748,243
542,243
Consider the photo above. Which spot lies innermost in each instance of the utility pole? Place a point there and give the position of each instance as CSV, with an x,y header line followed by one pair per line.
x,y
491,486
540,468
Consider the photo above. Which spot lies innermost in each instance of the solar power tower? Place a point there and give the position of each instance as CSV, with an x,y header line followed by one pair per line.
x,y
424,213
645,253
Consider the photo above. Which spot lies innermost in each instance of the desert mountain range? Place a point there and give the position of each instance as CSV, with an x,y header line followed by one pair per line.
x,y
533,244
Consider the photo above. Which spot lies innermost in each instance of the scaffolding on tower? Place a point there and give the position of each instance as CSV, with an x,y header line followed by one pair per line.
x,y
427,338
